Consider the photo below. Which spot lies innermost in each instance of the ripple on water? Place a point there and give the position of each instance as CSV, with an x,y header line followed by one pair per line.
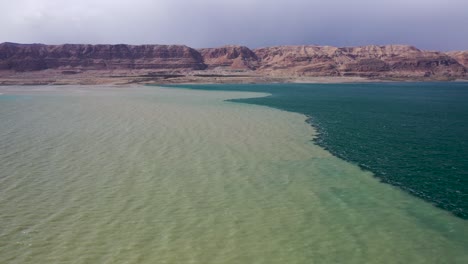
x,y
148,175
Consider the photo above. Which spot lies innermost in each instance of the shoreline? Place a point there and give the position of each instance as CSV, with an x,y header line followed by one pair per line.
x,y
142,77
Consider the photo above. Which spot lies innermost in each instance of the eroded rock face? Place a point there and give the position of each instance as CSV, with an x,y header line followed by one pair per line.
x,y
31,57
460,56
366,61
234,57
390,61
297,60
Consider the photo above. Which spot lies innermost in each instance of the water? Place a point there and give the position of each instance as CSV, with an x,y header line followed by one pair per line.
x,y
153,175
412,135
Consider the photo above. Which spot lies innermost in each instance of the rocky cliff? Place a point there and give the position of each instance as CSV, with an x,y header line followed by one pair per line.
x,y
31,57
397,61
379,62
460,56
234,57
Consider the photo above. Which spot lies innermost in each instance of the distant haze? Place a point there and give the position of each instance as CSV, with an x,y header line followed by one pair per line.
x,y
427,24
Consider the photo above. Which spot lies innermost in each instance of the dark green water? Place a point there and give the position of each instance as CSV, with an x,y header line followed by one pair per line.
x,y
411,135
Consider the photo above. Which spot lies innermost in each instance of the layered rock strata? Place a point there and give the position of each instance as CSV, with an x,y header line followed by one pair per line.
x,y
234,57
460,56
33,57
377,62
366,61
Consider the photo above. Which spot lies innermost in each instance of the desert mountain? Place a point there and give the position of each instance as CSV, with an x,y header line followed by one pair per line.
x,y
33,57
460,56
235,57
379,62
365,61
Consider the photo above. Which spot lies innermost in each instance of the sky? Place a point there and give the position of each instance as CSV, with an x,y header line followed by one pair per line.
x,y
426,24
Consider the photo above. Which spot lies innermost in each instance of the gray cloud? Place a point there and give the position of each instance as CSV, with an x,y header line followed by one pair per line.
x,y
428,24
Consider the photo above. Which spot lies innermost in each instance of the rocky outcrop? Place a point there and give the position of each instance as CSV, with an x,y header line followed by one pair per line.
x,y
380,62
460,56
233,57
297,60
32,57
367,61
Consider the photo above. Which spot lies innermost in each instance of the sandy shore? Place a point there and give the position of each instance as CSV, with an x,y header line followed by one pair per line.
x,y
124,77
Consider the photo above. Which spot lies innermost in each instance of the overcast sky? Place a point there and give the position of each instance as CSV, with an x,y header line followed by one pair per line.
x,y
427,24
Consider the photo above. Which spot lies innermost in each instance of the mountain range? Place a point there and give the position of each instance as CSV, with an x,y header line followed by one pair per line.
x,y
180,62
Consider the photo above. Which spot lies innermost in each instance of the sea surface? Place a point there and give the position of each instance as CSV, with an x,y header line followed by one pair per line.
x,y
411,135
95,174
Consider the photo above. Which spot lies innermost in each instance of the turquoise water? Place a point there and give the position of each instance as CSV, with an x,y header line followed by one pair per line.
x,y
95,174
412,135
